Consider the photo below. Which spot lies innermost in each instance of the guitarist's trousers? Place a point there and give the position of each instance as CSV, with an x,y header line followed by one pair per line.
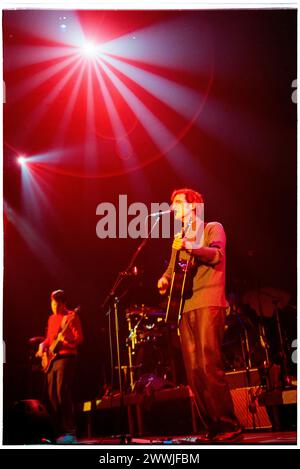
x,y
60,387
201,334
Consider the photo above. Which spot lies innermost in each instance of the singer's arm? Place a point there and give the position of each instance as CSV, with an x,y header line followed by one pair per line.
x,y
216,240
211,254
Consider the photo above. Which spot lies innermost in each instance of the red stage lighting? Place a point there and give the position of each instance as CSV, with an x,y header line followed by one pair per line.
x,y
22,160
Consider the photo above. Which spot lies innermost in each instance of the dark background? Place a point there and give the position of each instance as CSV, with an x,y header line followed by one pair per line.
x,y
239,150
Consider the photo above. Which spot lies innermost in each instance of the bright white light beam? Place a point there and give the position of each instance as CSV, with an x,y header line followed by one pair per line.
x,y
89,50
22,160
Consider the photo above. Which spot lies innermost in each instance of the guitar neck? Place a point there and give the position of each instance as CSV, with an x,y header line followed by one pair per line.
x,y
61,331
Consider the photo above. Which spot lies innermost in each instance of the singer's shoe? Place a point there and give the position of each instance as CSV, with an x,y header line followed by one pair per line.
x,y
233,435
206,437
68,439
220,437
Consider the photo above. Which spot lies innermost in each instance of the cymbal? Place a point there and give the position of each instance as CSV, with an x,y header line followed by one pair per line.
x,y
34,340
144,310
266,300
150,333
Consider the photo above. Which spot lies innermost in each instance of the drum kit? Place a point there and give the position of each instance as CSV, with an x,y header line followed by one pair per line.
x,y
260,327
256,335
147,342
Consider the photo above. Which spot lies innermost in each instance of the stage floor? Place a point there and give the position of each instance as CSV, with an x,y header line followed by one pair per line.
x,y
247,438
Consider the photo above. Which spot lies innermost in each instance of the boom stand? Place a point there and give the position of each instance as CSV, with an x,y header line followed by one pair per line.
x,y
129,271
244,338
261,328
283,357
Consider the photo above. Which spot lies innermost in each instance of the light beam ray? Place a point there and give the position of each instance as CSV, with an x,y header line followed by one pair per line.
x,y
90,139
169,44
124,146
66,118
26,86
21,56
35,240
165,141
46,24
158,132
181,99
43,107
35,203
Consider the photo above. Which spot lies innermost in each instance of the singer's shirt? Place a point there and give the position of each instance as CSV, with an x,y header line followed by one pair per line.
x,y
209,280
72,336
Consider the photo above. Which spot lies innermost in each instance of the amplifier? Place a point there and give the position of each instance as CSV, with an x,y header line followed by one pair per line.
x,y
251,415
245,388
243,378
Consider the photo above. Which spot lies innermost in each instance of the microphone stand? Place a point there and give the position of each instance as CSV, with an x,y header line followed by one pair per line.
x,y
261,328
248,365
112,295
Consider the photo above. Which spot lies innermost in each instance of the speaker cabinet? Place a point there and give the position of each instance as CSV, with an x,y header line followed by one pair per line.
x,y
246,388
28,422
250,414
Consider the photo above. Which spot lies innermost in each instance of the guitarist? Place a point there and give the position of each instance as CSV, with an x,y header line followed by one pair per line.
x,y
61,372
203,317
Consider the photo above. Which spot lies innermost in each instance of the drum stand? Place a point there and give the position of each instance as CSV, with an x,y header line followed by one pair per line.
x,y
245,348
283,357
131,344
244,338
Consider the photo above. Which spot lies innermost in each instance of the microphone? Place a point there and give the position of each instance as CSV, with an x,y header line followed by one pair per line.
x,y
158,214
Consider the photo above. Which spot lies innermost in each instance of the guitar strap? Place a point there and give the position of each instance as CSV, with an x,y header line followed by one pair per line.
x,y
65,322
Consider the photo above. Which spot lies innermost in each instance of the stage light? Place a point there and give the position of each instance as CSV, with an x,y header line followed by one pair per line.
x,y
63,25
22,160
89,49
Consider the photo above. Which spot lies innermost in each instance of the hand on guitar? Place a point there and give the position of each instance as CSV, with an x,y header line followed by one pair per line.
x,y
180,243
41,350
60,337
163,285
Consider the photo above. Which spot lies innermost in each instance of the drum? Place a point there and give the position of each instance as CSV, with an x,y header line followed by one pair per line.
x,y
151,352
147,333
241,345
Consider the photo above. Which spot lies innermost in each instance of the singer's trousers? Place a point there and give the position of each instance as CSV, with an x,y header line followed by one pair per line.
x,y
201,333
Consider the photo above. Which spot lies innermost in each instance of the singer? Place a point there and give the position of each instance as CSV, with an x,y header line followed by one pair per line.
x,y
203,318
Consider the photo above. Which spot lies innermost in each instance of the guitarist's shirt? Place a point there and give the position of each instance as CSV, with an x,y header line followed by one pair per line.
x,y
209,280
72,336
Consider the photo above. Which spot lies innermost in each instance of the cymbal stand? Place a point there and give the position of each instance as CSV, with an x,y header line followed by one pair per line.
x,y
264,343
253,391
131,343
261,327
248,365
245,346
283,357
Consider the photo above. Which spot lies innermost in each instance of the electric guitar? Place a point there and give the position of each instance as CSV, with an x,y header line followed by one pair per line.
x,y
181,286
49,355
